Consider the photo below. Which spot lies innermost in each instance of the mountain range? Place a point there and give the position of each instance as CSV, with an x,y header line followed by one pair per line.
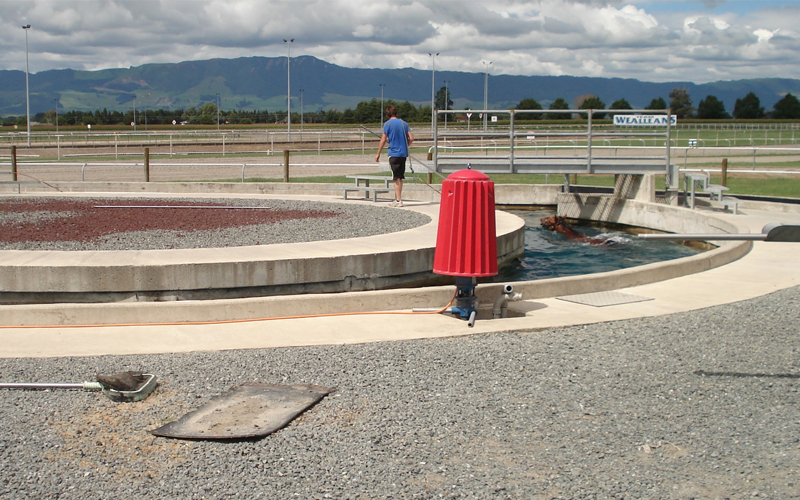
x,y
250,83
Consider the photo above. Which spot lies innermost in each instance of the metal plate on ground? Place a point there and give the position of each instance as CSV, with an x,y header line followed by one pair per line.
x,y
603,299
246,411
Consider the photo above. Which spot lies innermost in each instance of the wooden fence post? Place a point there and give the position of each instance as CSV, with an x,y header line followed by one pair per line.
x,y
725,172
285,165
147,164
14,163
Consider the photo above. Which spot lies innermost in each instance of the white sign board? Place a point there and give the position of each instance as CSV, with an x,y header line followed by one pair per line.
x,y
494,119
644,120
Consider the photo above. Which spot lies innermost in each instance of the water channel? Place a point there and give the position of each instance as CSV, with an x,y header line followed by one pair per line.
x,y
551,255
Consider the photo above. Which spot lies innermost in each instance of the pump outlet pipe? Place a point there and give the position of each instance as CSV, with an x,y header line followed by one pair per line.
x,y
86,386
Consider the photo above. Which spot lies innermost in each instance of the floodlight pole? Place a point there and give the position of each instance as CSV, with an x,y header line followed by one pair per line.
x,y
486,94
446,98
301,112
27,92
56,116
381,119
288,89
433,86
217,94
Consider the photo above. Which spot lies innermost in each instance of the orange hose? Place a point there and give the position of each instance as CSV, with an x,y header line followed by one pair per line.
x,y
232,321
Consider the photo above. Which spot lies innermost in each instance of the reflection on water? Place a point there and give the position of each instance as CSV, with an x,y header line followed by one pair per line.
x,y
551,255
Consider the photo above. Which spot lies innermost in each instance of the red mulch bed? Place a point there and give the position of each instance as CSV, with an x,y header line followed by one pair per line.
x,y
87,222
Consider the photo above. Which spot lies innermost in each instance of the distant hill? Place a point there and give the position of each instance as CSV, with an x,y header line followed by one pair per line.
x,y
260,83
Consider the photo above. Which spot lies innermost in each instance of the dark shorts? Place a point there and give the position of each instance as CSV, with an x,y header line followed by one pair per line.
x,y
398,167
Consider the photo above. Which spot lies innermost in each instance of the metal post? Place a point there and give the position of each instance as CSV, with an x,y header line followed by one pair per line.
x,y
512,168
381,119
589,144
288,90
433,85
27,92
486,94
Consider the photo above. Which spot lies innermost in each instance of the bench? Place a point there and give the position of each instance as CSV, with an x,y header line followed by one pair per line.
x,y
370,190
366,188
374,191
715,190
729,202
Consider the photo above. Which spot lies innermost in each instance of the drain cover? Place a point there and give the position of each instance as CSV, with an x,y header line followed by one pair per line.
x,y
246,411
603,299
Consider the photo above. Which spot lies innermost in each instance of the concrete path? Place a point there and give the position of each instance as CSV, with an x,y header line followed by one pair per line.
x,y
767,268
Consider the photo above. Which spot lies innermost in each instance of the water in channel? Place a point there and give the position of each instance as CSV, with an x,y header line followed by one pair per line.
x,y
551,255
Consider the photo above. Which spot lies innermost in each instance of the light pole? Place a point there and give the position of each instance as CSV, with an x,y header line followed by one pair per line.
x,y
486,93
288,89
446,98
217,94
145,112
301,112
433,85
382,85
27,92
134,112
56,116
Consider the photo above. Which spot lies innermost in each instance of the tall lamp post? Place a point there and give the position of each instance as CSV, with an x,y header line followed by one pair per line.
x,y
433,85
301,112
382,86
134,112
288,89
27,93
145,112
56,116
486,93
446,98
217,94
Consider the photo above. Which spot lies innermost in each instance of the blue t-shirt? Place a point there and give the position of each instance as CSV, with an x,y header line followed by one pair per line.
x,y
396,131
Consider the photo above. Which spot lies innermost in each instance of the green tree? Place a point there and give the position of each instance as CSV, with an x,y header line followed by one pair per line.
x,y
681,103
593,102
748,108
529,103
657,103
442,100
621,104
559,103
208,109
711,108
787,108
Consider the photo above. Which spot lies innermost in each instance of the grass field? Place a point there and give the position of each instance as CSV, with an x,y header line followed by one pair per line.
x,y
787,187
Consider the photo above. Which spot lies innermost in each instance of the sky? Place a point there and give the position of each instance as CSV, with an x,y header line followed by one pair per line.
x,y
649,40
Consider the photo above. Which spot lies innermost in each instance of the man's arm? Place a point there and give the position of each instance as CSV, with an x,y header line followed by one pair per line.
x,y
384,138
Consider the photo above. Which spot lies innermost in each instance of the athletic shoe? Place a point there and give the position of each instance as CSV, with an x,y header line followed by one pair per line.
x,y
393,203
399,204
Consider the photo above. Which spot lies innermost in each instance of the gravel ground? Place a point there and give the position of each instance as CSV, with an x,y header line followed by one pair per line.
x,y
73,224
692,405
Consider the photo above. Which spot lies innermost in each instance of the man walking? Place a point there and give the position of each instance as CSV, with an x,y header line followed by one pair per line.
x,y
398,134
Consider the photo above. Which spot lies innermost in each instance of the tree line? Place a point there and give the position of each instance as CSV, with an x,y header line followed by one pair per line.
x,y
709,108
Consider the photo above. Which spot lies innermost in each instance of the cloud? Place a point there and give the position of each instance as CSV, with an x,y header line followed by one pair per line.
x,y
646,39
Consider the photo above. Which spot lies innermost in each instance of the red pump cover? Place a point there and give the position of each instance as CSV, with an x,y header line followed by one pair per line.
x,y
466,241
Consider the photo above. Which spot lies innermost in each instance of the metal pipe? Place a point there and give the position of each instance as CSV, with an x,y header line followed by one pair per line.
x,y
89,386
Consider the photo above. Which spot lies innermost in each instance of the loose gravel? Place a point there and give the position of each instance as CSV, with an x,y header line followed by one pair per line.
x,y
693,405
326,221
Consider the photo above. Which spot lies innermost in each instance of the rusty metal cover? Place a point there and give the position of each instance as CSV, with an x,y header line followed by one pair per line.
x,y
246,411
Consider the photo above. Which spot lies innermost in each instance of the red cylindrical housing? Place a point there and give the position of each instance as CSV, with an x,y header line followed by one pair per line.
x,y
466,242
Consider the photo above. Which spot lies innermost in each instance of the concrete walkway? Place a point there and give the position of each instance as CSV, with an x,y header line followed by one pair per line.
x,y
766,268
